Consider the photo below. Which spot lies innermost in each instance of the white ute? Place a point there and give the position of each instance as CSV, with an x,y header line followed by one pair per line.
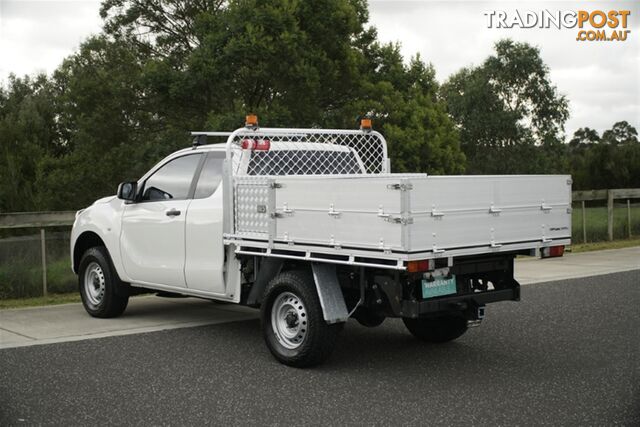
x,y
310,226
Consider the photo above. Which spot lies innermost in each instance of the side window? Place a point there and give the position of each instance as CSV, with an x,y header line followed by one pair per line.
x,y
210,176
172,181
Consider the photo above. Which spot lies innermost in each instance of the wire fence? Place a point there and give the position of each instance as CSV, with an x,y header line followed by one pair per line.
x,y
591,224
610,207
22,270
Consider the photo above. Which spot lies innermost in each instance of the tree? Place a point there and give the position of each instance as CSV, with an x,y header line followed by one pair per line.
x,y
28,131
511,117
579,150
130,95
295,63
159,28
109,127
403,102
583,137
621,133
612,161
292,62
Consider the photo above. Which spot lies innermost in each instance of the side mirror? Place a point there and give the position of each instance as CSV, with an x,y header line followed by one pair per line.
x,y
128,190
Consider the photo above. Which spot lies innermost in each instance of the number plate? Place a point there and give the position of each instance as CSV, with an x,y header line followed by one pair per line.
x,y
438,287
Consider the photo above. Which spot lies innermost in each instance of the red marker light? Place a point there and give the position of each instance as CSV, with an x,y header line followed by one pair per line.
x,y
248,144
256,144
262,145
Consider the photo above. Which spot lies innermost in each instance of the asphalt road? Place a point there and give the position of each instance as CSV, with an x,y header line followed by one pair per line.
x,y
568,354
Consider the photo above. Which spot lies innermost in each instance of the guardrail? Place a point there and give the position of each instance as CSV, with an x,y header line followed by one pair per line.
x,y
609,195
36,219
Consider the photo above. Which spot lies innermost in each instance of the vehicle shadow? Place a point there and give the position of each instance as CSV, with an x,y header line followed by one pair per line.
x,y
389,347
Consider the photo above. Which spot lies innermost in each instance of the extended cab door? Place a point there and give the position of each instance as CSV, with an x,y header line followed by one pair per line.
x,y
204,265
152,241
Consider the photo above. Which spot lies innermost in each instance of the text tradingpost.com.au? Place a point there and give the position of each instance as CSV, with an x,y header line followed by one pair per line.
x,y
596,25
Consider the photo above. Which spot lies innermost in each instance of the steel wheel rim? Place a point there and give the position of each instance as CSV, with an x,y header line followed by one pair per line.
x,y
289,320
94,283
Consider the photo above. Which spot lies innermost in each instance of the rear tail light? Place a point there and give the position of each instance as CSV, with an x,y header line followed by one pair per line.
x,y
552,251
420,266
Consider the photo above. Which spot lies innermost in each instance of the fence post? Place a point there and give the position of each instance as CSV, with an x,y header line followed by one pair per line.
x,y
43,249
629,216
584,224
610,214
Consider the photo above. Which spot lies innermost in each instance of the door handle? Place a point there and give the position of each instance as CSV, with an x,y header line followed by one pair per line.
x,y
172,212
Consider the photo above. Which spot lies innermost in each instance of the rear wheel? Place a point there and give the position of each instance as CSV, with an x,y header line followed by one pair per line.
x,y
292,322
98,284
438,329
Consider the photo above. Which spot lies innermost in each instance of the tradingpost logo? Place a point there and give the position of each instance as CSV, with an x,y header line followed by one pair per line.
x,y
594,25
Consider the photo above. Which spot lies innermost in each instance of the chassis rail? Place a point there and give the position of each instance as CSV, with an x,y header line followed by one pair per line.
x,y
375,258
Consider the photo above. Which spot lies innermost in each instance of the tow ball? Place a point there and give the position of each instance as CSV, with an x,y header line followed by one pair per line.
x,y
478,318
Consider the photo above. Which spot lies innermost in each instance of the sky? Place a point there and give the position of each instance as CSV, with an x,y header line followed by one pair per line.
x,y
600,79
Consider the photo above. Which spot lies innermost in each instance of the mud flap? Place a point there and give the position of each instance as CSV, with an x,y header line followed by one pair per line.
x,y
334,308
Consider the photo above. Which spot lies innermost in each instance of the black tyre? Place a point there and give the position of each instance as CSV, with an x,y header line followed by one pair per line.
x,y
438,329
98,284
368,318
292,322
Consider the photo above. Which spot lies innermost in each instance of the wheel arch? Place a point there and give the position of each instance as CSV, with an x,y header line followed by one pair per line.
x,y
325,278
86,240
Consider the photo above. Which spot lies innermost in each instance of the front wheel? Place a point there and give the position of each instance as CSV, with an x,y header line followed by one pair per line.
x,y
98,285
438,329
292,322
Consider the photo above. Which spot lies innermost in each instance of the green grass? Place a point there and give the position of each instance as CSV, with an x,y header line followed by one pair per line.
x,y
22,278
596,223
599,246
52,299
60,278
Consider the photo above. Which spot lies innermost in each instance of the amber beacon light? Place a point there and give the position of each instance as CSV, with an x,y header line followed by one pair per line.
x,y
365,124
251,120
